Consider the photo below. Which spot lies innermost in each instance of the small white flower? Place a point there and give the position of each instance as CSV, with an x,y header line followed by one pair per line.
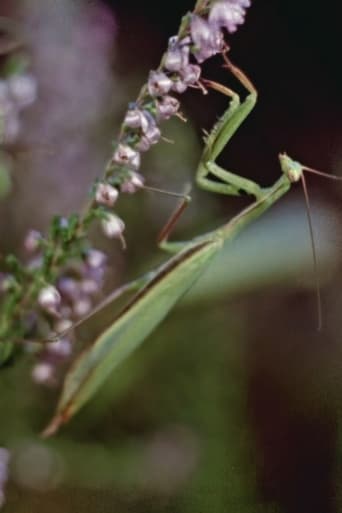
x,y
35,263
135,162
136,118
62,325
32,241
153,134
106,194
229,14
49,298
89,287
143,144
113,227
167,106
69,288
43,373
177,55
191,74
95,258
61,348
207,38
23,89
158,83
126,156
82,307
133,183
179,86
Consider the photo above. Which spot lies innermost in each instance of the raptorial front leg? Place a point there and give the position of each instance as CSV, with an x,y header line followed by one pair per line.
x,y
209,175
208,171
236,184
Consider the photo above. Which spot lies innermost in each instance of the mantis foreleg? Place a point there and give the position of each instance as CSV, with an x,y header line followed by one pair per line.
x,y
230,183
215,142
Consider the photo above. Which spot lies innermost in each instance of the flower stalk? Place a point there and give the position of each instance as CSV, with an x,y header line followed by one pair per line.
x,y
60,280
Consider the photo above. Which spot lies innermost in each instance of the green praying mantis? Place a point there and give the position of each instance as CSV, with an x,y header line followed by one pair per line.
x,y
158,291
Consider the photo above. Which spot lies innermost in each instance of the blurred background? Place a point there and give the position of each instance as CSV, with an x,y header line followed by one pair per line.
x,y
233,404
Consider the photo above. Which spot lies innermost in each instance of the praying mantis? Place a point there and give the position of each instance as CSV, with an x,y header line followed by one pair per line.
x,y
159,290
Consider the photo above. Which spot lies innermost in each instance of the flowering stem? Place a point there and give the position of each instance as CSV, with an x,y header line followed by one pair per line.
x,y
199,37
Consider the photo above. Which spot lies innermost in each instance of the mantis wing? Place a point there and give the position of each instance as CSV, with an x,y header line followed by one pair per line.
x,y
136,321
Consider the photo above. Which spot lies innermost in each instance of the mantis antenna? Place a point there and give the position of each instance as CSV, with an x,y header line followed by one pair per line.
x,y
314,254
295,172
313,245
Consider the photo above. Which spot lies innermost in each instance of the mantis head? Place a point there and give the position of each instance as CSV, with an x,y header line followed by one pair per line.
x,y
291,168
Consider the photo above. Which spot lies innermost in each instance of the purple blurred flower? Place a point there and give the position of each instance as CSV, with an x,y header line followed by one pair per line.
x,y
207,38
228,14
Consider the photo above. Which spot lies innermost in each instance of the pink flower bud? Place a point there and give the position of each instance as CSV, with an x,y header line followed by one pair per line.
x,y
135,118
32,241
167,106
143,144
173,60
191,74
82,307
229,14
177,55
69,288
62,325
95,258
106,194
113,227
126,156
43,373
158,83
135,162
179,86
89,287
49,298
60,348
208,38
23,89
132,184
153,134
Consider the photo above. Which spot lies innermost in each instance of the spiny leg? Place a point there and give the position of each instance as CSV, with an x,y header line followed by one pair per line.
x,y
237,112
215,143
